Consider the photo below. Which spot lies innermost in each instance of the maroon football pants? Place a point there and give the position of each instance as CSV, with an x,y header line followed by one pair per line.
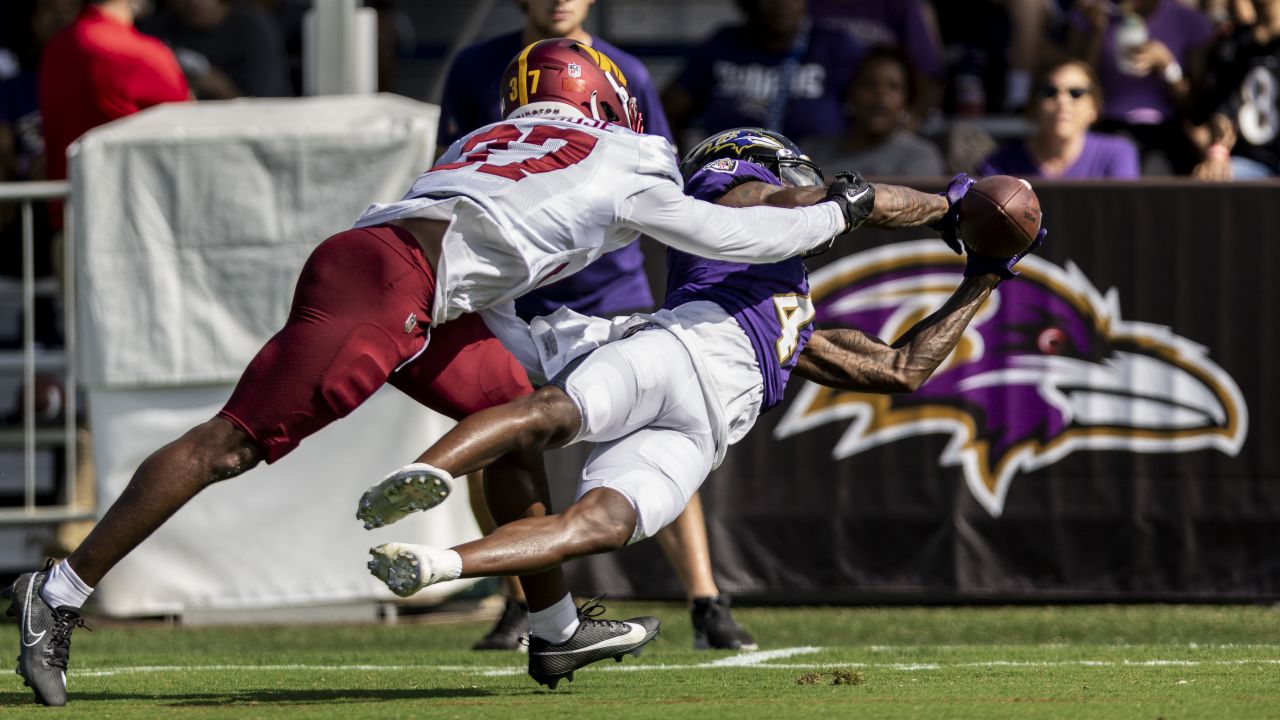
x,y
361,317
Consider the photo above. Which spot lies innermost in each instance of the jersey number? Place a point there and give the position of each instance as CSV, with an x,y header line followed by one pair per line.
x,y
794,312
577,146
1258,115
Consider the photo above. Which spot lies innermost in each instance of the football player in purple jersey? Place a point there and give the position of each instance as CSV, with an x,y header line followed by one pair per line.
x,y
612,285
664,394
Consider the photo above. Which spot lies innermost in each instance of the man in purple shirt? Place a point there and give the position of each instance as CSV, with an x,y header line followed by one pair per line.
x,y
645,390
615,284
780,70
1145,59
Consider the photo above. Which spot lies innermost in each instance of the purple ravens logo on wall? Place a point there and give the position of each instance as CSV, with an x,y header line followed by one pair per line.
x,y
1047,367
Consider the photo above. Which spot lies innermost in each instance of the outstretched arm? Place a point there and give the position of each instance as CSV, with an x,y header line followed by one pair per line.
x,y
895,206
753,235
901,207
853,360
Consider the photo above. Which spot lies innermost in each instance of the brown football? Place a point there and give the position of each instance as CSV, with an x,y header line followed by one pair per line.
x,y
999,216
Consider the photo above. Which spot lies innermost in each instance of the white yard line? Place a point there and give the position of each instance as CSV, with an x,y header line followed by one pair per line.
x,y
755,660
758,657
750,659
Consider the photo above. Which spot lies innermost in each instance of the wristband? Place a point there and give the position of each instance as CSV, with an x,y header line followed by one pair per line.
x,y
1173,73
1217,151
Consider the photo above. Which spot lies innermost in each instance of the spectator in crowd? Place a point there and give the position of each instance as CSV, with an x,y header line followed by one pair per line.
x,y
26,25
1145,53
226,49
615,284
471,88
98,69
879,140
779,70
1066,104
993,48
906,24
1242,100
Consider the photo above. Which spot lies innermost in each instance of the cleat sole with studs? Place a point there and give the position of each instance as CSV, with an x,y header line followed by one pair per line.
x,y
402,494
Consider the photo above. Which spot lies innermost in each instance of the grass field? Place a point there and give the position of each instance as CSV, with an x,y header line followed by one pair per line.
x,y
1025,662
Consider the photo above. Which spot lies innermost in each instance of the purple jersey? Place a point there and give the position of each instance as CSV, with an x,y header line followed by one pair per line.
x,y
737,84
615,283
770,302
1146,100
1103,156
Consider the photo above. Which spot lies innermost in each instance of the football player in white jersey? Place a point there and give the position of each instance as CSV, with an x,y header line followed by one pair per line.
x,y
514,205
663,394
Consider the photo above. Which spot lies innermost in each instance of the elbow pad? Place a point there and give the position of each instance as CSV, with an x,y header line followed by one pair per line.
x,y
855,196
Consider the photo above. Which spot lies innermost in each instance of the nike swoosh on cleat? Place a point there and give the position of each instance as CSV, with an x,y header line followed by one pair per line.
x,y
26,620
636,634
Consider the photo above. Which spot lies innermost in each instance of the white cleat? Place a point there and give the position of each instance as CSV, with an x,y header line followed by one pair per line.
x,y
410,489
400,566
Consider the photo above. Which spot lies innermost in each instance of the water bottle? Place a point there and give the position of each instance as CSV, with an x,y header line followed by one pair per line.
x,y
1131,34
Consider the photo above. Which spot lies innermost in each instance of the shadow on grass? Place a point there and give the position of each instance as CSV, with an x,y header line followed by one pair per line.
x,y
262,696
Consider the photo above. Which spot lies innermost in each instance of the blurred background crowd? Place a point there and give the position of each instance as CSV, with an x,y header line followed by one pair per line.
x,y
1053,88
1075,89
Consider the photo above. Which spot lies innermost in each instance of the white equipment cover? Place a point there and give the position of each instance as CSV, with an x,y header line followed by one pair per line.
x,y
192,222
279,535
194,218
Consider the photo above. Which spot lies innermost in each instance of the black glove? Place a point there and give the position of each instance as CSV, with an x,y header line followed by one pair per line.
x,y
854,195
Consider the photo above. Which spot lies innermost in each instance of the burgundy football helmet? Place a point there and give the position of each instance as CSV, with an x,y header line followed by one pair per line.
x,y
568,72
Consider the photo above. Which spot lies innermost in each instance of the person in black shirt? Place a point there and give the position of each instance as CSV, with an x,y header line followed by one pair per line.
x,y
1241,101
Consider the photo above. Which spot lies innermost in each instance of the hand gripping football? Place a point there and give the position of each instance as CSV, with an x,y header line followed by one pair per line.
x,y
999,216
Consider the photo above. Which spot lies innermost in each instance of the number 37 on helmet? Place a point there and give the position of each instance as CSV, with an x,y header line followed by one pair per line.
x,y
550,74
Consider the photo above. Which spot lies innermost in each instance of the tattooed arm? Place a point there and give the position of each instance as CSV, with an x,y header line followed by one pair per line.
x,y
901,207
896,206
853,360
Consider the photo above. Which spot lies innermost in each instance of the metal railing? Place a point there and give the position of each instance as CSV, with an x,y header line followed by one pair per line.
x,y
26,193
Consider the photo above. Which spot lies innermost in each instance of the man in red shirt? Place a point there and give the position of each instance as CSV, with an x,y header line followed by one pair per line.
x,y
99,69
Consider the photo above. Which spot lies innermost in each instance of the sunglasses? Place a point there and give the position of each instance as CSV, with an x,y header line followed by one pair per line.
x,y
1052,91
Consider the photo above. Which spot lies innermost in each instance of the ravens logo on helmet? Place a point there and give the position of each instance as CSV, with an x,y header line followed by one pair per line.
x,y
764,147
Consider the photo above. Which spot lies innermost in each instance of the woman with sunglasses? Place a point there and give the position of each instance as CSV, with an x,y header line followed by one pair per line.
x,y
1066,103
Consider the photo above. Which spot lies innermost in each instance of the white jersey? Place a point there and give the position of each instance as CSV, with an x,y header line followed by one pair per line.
x,y
533,200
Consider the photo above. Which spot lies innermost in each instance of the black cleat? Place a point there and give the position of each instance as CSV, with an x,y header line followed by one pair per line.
x,y
511,630
714,627
45,637
593,640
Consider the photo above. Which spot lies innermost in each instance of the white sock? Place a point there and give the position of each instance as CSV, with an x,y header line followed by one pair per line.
x,y
557,623
64,587
445,564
